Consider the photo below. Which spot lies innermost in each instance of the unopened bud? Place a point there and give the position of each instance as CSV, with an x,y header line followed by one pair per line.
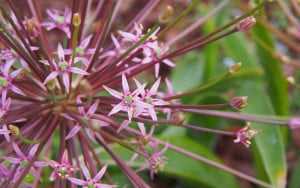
x,y
178,118
290,80
239,102
166,15
235,68
14,130
246,24
76,19
294,123
51,84
85,87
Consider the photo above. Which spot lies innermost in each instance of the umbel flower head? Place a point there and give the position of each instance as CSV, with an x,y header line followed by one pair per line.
x,y
74,86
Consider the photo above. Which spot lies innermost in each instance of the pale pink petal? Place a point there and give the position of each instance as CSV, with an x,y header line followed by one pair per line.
x,y
60,53
33,150
77,181
156,69
124,124
142,128
127,36
17,90
85,42
15,73
100,174
116,108
168,62
90,134
78,71
140,87
147,60
40,163
93,108
125,84
51,76
130,114
115,41
53,176
66,81
152,114
154,88
134,156
85,171
17,150
73,132
13,160
113,92
80,109
4,94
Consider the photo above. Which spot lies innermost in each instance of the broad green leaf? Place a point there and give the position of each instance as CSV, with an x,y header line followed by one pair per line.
x,y
188,72
295,180
269,141
276,83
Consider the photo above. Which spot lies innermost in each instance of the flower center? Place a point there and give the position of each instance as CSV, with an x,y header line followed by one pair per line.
x,y
3,82
62,172
24,163
91,185
128,100
63,65
148,100
60,19
79,51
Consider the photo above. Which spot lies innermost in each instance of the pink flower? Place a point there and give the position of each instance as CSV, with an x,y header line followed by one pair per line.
x,y
155,161
63,67
244,135
86,117
130,102
5,132
6,81
90,182
63,169
82,50
147,96
22,160
153,53
60,20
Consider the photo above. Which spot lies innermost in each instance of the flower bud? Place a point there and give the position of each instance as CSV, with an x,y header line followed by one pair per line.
x,y
239,102
178,118
235,68
294,123
166,15
14,130
76,19
246,24
290,80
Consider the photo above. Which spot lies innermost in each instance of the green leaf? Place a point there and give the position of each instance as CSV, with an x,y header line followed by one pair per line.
x,y
188,72
276,83
269,141
295,180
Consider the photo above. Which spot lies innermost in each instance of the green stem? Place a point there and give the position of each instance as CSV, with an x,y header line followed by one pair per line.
x,y
27,141
214,82
75,37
